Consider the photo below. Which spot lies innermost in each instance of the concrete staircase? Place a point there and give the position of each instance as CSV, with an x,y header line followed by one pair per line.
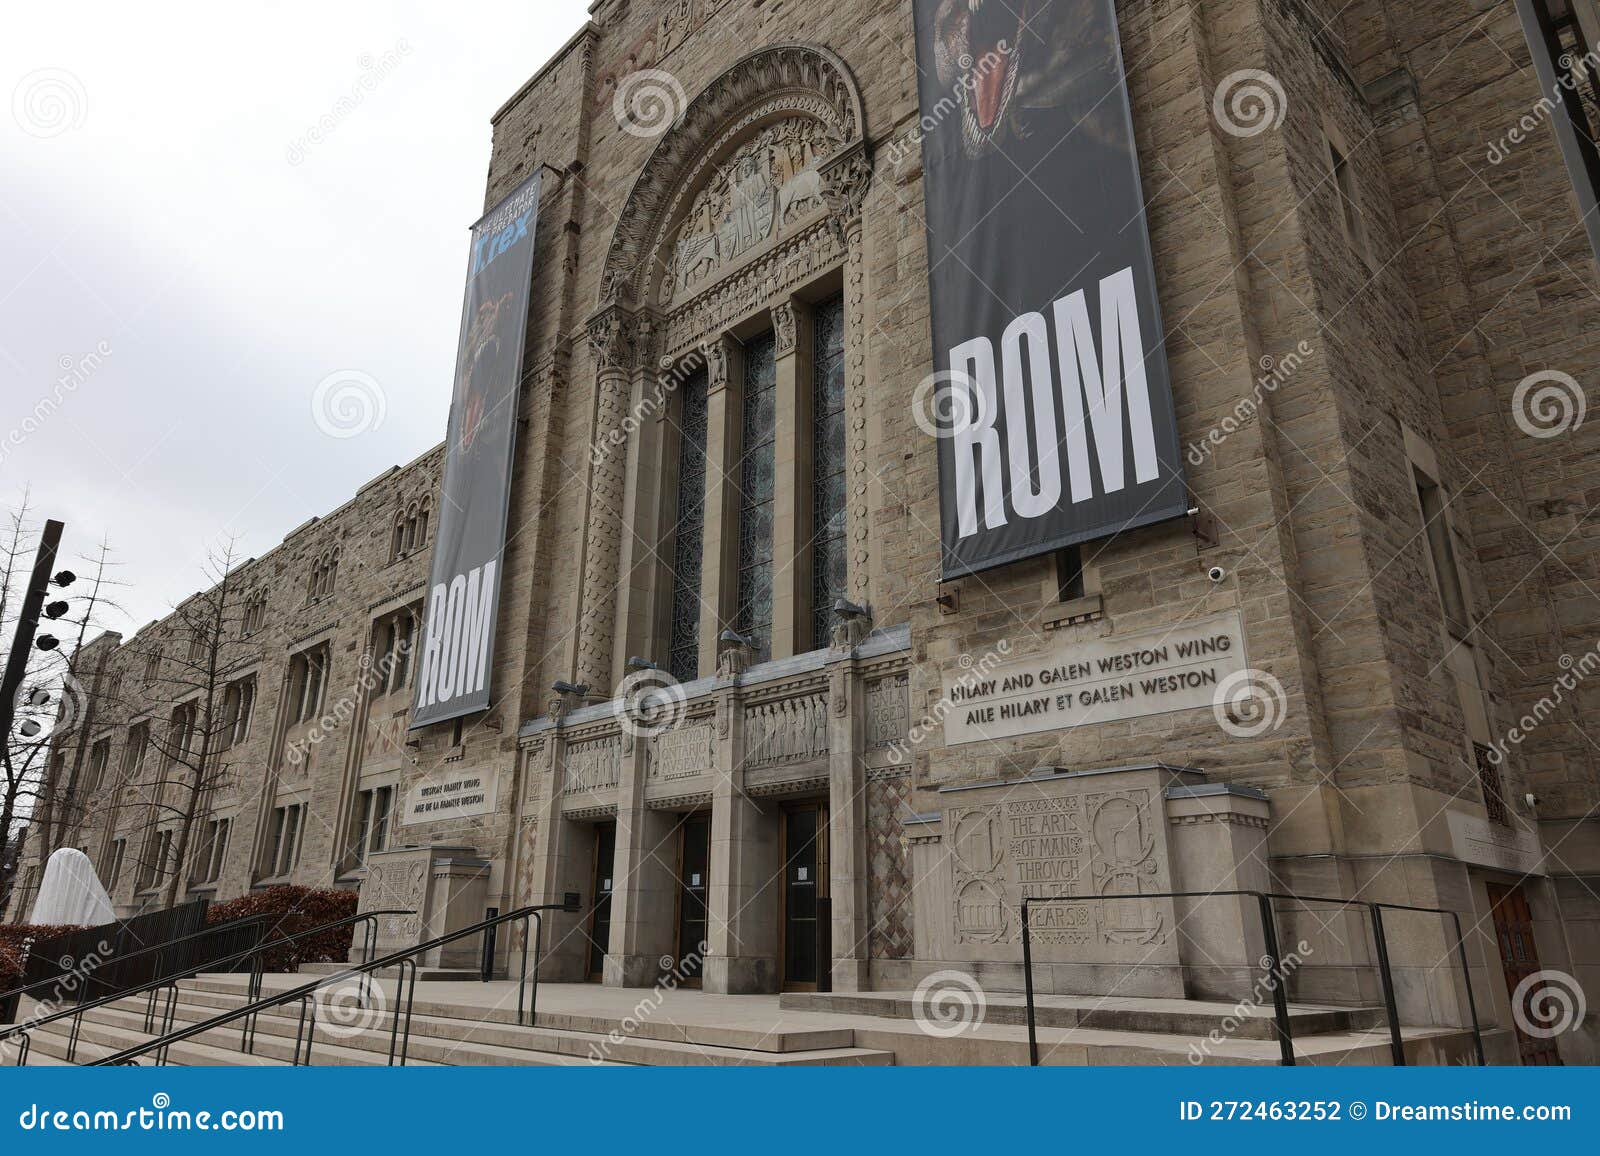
x,y
470,1023
443,1032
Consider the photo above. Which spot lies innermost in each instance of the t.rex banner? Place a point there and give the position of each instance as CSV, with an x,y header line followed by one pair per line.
x,y
464,588
1050,394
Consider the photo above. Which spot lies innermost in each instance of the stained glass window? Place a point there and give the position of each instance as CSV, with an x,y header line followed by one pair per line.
x,y
757,470
828,542
683,656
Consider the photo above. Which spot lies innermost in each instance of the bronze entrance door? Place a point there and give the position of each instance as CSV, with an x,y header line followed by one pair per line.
x,y
1513,931
599,930
806,941
694,883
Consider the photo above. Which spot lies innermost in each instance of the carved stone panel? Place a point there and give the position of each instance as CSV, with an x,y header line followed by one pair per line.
x,y
786,730
765,190
888,712
1091,844
593,765
682,753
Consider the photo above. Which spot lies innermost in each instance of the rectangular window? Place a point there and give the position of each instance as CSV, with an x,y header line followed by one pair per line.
x,y
757,475
238,703
158,852
1069,573
1344,183
133,755
307,672
373,808
213,851
99,759
1494,797
1436,525
285,850
119,852
683,654
828,541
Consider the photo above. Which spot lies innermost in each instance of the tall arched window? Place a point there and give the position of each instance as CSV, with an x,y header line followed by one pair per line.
x,y
756,473
683,652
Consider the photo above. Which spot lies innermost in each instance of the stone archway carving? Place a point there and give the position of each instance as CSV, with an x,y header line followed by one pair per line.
x,y
794,83
634,324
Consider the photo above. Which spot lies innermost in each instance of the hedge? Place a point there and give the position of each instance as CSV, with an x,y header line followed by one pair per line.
x,y
16,939
300,909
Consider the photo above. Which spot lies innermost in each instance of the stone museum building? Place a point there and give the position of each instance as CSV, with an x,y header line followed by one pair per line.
x,y
736,704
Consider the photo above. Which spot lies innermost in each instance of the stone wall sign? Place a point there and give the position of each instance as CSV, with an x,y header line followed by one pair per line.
x,y
456,796
1475,840
1102,680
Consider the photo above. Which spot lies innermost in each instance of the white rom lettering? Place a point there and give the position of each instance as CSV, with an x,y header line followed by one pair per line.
x,y
1101,394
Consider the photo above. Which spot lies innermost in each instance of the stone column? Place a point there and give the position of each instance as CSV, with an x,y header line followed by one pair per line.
x,y
644,889
558,862
646,501
847,827
720,538
746,865
611,339
791,504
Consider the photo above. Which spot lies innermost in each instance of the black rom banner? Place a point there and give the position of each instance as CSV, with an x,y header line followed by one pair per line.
x,y
464,587
1050,393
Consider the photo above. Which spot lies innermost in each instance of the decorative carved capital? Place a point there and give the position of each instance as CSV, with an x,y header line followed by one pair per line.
x,y
845,179
612,339
785,325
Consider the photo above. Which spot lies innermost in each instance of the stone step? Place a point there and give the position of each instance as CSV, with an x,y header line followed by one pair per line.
x,y
470,1040
447,974
1193,1018
780,1038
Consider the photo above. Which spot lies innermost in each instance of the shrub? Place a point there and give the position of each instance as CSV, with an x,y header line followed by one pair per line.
x,y
298,909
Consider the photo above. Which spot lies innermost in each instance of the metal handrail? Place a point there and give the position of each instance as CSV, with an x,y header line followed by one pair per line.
x,y
399,1045
23,1029
1272,961
214,929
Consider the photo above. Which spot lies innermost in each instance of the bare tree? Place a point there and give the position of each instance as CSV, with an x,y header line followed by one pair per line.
x,y
76,676
198,691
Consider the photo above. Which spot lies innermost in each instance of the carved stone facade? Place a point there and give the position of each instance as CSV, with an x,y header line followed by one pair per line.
x,y
787,180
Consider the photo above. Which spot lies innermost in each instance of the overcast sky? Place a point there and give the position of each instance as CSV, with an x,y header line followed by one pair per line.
x,y
207,212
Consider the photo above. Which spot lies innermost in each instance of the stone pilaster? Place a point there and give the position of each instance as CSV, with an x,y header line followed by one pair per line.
x,y
612,342
719,568
791,503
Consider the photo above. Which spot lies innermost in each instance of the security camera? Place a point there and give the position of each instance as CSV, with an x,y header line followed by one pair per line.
x,y
1216,573
1532,800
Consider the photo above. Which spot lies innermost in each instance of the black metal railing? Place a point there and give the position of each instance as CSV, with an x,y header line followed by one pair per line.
x,y
22,1031
120,951
1274,975
405,964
